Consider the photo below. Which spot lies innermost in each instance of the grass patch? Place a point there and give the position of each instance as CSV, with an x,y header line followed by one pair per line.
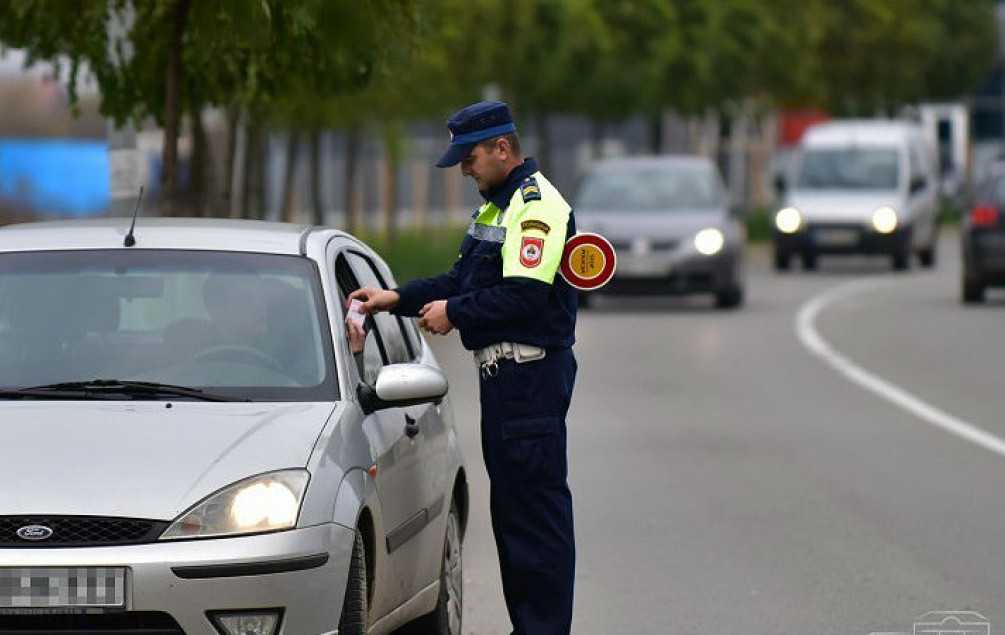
x,y
417,253
758,224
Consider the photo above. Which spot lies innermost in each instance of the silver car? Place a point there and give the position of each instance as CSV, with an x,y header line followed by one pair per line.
x,y
193,445
668,218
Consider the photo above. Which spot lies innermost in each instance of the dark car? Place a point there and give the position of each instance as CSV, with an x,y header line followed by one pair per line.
x,y
983,235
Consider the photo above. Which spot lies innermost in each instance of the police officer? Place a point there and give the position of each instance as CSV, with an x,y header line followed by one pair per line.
x,y
518,316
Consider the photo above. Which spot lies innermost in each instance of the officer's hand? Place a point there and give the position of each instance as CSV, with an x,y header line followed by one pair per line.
x,y
434,318
374,300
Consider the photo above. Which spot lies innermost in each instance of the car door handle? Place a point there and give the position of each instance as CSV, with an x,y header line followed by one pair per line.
x,y
411,427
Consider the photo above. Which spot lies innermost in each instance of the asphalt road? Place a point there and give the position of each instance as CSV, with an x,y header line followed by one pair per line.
x,y
812,463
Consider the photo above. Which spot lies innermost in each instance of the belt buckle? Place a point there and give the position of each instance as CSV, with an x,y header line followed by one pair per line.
x,y
490,368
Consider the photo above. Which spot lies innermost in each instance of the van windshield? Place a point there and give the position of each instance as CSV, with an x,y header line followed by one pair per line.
x,y
849,169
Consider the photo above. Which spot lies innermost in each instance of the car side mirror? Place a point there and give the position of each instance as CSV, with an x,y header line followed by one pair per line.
x,y
400,385
918,183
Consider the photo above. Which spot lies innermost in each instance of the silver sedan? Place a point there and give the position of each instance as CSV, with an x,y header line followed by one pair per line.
x,y
194,444
668,218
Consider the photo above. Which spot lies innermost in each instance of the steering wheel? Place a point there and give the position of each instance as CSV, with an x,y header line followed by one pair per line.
x,y
241,353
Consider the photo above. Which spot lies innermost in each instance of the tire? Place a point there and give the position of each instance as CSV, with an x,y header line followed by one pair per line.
x,y
901,261
810,262
782,260
729,298
927,256
353,620
973,291
446,618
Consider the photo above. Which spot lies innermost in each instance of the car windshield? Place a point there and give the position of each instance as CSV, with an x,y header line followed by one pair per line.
x,y
650,189
849,168
238,324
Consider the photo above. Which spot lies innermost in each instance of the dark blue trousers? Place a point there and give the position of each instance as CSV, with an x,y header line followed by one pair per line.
x,y
524,446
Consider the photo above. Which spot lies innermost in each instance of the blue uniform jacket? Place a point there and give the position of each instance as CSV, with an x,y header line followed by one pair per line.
x,y
483,304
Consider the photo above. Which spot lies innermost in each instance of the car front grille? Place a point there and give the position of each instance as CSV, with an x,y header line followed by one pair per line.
x,y
128,623
79,531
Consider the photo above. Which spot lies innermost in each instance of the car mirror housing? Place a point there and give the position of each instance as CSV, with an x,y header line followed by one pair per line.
x,y
400,385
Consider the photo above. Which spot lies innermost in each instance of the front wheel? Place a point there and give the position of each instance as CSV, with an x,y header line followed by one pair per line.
x,y
729,298
926,256
782,260
354,606
973,291
445,619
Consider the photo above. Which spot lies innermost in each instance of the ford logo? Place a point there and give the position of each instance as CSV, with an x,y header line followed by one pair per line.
x,y
34,532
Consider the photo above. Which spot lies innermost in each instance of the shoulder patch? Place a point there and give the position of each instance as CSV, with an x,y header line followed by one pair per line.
x,y
530,190
528,225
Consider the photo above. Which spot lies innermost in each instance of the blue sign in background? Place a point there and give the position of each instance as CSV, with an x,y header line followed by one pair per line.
x,y
55,177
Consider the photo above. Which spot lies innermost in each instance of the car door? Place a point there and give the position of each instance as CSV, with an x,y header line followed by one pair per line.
x,y
395,435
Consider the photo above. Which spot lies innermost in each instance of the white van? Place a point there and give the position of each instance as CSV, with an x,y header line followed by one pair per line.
x,y
859,186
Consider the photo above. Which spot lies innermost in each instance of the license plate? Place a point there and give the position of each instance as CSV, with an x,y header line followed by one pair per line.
x,y
62,587
642,267
836,237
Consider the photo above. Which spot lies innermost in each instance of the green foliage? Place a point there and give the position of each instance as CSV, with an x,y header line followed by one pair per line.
x,y
417,253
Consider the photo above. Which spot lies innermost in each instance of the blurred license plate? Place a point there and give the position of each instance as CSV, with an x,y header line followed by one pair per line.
x,y
642,267
836,237
62,587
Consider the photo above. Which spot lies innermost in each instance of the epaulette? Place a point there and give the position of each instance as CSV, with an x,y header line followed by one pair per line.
x,y
529,190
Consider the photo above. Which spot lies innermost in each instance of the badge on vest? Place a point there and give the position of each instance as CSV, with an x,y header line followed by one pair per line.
x,y
531,250
540,226
529,190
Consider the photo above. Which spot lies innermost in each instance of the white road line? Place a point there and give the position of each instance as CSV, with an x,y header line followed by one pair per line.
x,y
806,331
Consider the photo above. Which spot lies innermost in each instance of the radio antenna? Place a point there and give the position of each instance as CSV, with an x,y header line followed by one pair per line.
x,y
130,240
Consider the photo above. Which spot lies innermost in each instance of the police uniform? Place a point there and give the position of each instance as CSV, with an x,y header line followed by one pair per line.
x,y
518,316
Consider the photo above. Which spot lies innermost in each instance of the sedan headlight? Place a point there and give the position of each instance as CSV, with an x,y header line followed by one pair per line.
x,y
709,241
268,502
884,220
788,220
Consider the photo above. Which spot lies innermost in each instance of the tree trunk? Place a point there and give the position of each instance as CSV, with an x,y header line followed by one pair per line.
x,y
252,203
349,189
229,168
172,108
389,184
290,179
543,132
596,139
316,203
656,133
201,166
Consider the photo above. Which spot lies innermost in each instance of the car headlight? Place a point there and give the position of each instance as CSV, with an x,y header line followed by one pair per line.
x,y
884,220
709,241
268,502
788,220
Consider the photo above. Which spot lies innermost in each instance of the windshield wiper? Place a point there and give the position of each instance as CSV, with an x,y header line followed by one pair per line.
x,y
105,387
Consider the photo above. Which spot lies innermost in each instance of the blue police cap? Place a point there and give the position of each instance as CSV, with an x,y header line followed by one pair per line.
x,y
474,123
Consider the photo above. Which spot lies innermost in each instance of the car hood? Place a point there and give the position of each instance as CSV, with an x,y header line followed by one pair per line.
x,y
841,205
144,459
619,225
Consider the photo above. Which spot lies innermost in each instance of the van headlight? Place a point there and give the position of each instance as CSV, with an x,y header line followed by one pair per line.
x,y
709,241
788,220
268,502
884,220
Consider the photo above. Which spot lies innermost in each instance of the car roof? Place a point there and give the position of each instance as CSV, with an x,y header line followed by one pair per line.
x,y
158,233
685,161
864,132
